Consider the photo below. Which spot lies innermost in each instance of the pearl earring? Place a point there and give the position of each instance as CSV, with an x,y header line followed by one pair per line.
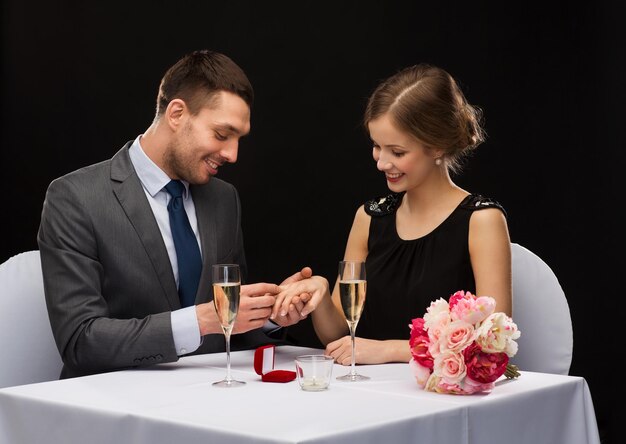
x,y
438,161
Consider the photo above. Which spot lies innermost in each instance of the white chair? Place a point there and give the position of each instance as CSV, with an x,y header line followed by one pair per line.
x,y
542,314
29,353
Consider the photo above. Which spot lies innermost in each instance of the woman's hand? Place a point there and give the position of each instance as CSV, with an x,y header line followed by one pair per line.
x,y
368,351
309,292
294,311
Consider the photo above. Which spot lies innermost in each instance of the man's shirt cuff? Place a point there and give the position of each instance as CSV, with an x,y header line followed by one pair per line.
x,y
185,330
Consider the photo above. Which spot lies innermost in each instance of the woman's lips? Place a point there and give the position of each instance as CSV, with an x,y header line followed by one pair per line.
x,y
393,177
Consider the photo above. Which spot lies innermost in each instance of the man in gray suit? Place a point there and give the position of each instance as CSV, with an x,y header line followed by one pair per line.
x,y
109,259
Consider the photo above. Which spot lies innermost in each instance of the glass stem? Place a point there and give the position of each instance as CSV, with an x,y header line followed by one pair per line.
x,y
227,336
353,363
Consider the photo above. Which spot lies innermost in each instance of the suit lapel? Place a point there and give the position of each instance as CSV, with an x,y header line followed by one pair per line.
x,y
130,194
203,201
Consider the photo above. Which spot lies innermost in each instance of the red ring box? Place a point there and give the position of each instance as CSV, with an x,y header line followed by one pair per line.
x,y
264,366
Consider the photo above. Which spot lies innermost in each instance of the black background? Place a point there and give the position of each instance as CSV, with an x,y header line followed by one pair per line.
x,y
79,79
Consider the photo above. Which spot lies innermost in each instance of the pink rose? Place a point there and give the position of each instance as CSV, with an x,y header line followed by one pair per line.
x,y
450,367
484,368
456,336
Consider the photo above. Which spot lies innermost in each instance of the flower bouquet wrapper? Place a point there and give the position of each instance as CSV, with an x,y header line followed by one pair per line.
x,y
264,366
462,346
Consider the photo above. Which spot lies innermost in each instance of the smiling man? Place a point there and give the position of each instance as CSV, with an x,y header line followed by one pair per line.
x,y
127,244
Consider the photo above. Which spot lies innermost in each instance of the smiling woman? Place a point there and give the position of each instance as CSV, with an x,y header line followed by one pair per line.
x,y
425,103
425,240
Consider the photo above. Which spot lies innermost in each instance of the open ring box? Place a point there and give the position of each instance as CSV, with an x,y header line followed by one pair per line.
x,y
264,366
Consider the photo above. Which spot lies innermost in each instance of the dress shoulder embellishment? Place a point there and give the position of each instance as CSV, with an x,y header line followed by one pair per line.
x,y
477,202
383,206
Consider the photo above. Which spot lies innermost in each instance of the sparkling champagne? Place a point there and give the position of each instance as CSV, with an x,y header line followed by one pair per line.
x,y
226,299
352,294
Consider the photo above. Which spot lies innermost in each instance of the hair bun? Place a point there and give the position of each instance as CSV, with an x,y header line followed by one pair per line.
x,y
475,135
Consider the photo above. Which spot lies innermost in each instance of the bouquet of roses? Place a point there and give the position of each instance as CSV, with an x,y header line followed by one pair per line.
x,y
462,346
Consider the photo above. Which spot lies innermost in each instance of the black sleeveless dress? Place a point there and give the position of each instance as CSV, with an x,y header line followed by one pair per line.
x,y
404,276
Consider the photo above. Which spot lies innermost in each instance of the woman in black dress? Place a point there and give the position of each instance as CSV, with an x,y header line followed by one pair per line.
x,y
425,240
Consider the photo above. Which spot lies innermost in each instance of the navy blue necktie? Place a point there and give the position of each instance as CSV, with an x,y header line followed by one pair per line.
x,y
187,251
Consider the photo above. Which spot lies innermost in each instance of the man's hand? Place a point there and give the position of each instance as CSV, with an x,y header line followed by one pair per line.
x,y
255,306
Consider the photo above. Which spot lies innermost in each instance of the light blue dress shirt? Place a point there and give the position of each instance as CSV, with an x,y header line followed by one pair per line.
x,y
185,328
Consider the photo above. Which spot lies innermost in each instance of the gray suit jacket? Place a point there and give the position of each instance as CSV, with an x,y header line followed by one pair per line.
x,y
108,280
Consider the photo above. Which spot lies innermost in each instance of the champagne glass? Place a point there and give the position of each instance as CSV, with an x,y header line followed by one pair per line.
x,y
352,286
226,287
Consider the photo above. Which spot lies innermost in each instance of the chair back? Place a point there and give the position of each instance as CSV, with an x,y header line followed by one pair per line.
x,y
29,353
542,314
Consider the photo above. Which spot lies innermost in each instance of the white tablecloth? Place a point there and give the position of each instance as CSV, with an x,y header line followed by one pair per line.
x,y
177,403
